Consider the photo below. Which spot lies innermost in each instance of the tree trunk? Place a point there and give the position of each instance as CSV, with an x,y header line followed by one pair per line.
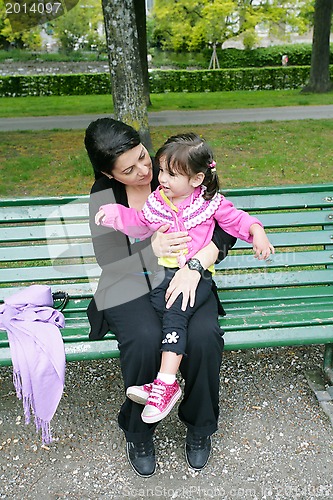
x,y
141,24
320,56
125,66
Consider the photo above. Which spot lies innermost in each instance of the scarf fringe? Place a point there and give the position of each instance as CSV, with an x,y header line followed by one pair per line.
x,y
29,407
26,398
17,381
45,428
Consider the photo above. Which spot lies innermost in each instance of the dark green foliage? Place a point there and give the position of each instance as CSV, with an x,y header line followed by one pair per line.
x,y
298,55
161,81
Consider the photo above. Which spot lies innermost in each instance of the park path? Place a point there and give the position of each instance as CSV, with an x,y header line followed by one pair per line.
x,y
163,118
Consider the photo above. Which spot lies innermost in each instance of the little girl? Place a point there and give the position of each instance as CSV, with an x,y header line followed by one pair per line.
x,y
187,199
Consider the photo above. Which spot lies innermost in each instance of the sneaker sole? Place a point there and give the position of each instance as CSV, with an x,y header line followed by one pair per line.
x,y
135,470
156,418
137,396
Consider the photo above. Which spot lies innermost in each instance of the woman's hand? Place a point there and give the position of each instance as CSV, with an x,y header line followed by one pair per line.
x,y
167,245
184,281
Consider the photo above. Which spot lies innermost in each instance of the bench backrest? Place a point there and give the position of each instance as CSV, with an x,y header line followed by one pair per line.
x,y
47,240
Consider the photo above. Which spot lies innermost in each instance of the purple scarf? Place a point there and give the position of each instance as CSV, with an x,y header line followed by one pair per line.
x,y
37,352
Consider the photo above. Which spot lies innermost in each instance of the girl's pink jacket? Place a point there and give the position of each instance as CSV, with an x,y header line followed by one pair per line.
x,y
195,215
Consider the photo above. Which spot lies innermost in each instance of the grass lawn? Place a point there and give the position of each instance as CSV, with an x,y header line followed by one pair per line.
x,y
41,163
99,104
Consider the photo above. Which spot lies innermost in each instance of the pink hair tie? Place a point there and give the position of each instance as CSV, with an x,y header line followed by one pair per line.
x,y
212,166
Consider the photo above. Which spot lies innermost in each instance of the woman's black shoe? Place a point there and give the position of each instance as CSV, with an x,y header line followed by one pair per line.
x,y
197,450
141,456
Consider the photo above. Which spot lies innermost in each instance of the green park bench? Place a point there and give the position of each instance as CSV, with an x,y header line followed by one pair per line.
x,y
285,301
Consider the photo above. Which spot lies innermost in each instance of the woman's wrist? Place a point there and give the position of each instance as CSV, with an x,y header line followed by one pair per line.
x,y
207,255
194,264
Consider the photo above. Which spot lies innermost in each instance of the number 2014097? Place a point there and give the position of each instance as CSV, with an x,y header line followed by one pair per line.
x,y
38,8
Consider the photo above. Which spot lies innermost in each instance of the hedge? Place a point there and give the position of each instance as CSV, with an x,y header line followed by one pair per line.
x,y
298,55
290,77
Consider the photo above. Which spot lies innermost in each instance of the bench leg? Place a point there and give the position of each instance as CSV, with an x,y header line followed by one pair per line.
x,y
321,382
328,362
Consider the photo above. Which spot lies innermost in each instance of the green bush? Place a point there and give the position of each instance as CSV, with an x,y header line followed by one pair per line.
x,y
298,55
75,84
273,78
290,77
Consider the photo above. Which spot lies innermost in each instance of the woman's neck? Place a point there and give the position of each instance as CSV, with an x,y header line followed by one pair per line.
x,y
137,195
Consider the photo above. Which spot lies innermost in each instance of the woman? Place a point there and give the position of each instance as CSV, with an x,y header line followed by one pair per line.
x,y
125,174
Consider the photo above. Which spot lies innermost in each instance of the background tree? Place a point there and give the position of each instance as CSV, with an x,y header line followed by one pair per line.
x,y
141,24
320,57
128,91
30,39
78,28
189,25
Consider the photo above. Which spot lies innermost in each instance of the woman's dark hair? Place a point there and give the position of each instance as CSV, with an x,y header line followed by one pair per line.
x,y
188,154
105,140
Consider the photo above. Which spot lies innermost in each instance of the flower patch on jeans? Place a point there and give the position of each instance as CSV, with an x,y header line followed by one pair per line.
x,y
171,338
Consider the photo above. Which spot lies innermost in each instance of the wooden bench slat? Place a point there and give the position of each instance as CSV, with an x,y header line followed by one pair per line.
x,y
37,233
45,252
75,290
282,201
50,273
281,318
278,337
282,259
296,219
281,294
274,279
31,213
85,250
78,351
295,239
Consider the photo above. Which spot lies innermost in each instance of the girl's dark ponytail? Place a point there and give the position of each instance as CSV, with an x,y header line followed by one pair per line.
x,y
211,181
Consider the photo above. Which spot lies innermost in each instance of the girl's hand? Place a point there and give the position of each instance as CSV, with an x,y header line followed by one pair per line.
x,y
184,281
99,217
166,245
261,245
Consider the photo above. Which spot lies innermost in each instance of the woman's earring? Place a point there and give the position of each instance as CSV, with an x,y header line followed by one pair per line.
x,y
109,176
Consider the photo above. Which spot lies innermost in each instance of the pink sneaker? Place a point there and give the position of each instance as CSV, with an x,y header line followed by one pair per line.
x,y
139,393
161,400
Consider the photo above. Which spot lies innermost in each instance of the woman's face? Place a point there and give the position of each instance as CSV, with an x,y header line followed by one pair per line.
x,y
134,168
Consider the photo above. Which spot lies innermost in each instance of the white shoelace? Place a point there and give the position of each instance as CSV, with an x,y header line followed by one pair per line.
x,y
156,394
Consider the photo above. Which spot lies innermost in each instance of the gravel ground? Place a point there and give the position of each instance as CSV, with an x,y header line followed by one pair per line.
x,y
274,440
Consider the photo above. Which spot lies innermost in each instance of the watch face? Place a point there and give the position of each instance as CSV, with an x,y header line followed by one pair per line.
x,y
195,265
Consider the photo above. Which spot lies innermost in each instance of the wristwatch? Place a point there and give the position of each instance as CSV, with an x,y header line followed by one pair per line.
x,y
195,265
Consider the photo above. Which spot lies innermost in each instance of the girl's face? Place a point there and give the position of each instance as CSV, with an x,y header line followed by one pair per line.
x,y
175,184
134,167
